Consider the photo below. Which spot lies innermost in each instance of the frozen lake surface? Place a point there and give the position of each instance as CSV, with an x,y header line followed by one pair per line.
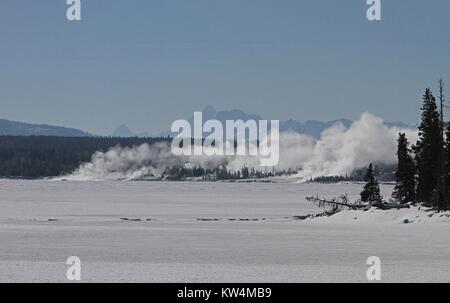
x,y
204,232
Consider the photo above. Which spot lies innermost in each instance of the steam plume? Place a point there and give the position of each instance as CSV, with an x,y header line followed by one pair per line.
x,y
338,151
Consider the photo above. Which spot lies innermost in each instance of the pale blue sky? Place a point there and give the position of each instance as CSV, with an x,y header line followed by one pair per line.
x,y
148,62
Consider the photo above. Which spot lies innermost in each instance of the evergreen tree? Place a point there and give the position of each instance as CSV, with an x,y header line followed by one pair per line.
x,y
441,192
405,187
427,149
371,191
447,164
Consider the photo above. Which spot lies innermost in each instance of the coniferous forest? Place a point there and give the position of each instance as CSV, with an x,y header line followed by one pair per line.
x,y
423,172
39,156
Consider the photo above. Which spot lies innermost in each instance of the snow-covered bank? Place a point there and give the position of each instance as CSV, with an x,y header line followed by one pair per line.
x,y
414,214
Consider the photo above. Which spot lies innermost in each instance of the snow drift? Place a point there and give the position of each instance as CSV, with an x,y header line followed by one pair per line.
x,y
415,214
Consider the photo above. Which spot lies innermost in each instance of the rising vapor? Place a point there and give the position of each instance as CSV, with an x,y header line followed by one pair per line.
x,y
339,151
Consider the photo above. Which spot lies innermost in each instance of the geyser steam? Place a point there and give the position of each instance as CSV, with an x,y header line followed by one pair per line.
x,y
338,151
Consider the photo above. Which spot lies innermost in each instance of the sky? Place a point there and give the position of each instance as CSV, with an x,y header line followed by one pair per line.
x,y
146,63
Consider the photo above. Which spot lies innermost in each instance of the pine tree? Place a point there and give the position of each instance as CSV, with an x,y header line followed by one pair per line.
x,y
405,187
371,191
442,200
427,150
447,164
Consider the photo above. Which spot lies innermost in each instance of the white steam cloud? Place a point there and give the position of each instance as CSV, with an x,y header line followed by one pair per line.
x,y
339,151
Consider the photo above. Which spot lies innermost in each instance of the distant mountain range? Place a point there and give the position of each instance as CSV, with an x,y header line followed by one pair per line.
x,y
13,128
310,127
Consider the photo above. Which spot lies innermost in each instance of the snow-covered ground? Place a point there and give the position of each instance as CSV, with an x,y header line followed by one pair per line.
x,y
209,232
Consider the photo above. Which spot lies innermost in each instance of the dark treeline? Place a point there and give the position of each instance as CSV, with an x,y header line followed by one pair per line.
x,y
383,172
40,156
222,173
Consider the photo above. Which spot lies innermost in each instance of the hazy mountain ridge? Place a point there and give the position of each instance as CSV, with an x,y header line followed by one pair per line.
x,y
310,127
14,128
